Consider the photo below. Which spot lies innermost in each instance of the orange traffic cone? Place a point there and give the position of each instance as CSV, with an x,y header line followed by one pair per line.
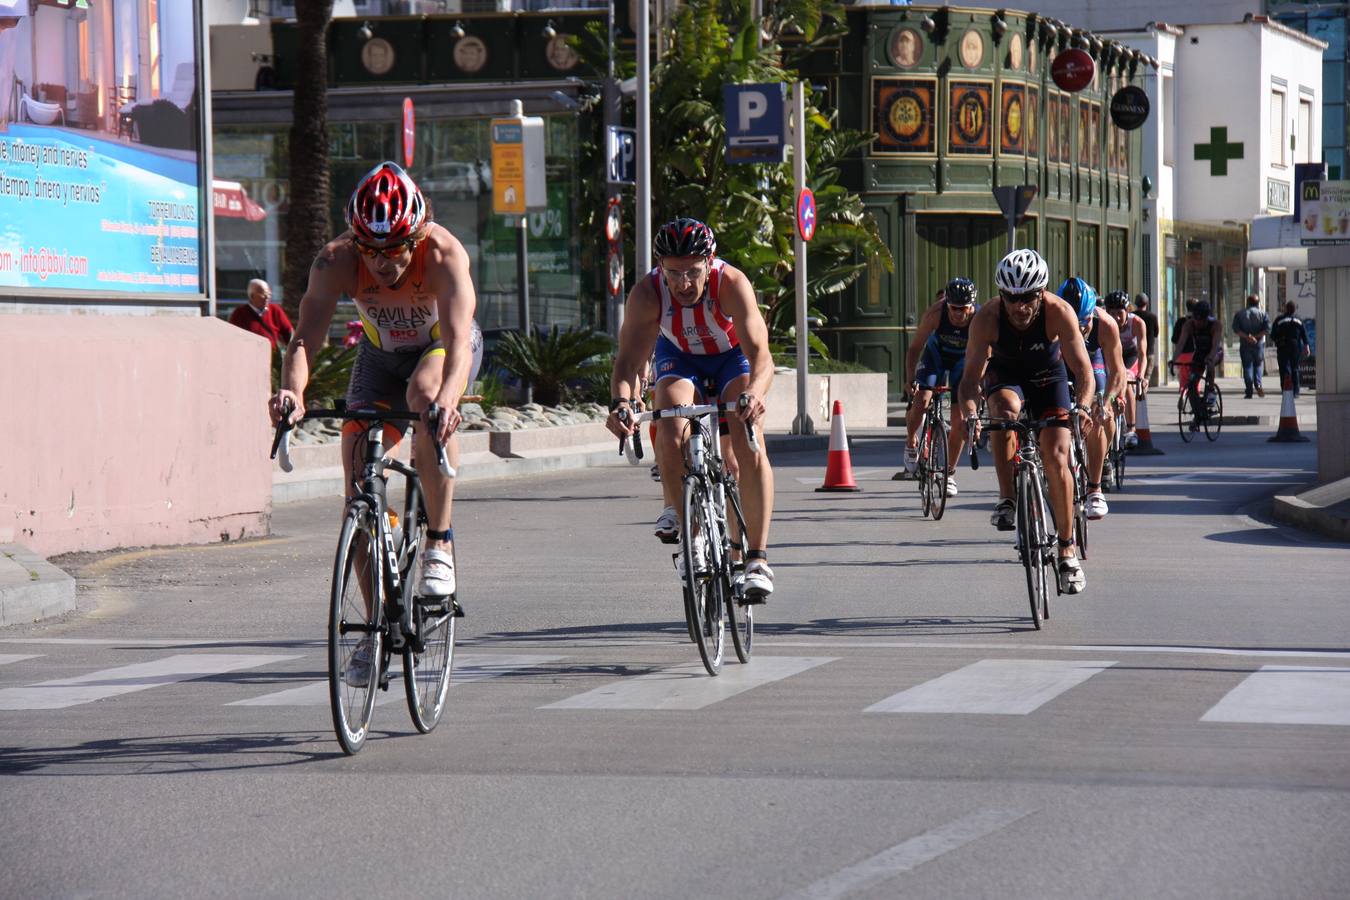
x,y
1141,431
838,468
1288,432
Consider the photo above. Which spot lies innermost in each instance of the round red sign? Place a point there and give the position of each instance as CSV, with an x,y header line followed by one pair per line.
x,y
1073,69
409,133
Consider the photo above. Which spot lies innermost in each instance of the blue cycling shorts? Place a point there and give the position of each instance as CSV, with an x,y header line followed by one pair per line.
x,y
932,371
721,369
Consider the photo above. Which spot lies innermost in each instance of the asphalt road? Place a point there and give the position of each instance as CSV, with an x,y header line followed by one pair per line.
x,y
1181,729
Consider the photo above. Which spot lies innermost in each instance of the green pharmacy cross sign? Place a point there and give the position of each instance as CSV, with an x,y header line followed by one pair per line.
x,y
1218,151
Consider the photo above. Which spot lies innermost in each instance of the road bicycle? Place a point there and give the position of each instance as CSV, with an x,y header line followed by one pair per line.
x,y
1078,468
1036,536
1194,411
712,529
931,466
375,609
1113,474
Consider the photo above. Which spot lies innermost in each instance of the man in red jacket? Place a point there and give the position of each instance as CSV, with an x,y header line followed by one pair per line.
x,y
261,317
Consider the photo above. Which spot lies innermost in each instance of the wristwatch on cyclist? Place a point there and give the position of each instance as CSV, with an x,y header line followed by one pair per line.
x,y
616,402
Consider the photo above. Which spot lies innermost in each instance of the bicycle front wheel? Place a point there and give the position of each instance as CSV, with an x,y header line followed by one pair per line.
x,y
703,598
1044,529
1028,543
355,635
428,657
1214,421
923,466
1185,416
1118,464
937,469
742,617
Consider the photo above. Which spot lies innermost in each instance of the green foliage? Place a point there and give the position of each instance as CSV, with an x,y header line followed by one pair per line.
x,y
329,372
493,392
555,364
751,208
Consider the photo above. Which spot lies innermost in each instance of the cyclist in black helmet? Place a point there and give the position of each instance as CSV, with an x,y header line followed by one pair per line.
x,y
1203,335
937,355
701,317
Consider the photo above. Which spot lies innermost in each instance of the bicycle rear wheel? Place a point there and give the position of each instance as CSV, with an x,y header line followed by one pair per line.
x,y
1214,421
937,465
1118,451
921,468
426,671
1080,484
742,617
703,598
1027,543
1045,542
355,632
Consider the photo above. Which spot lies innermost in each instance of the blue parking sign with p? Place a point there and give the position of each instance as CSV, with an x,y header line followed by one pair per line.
x,y
755,120
621,151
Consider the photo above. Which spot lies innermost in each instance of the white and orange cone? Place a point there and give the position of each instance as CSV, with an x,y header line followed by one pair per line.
x,y
1288,432
839,467
1141,431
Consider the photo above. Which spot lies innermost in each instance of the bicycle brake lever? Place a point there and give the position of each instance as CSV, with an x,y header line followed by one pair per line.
x,y
434,414
281,443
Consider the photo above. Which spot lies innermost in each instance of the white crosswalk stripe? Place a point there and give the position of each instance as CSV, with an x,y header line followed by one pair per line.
x,y
689,686
1012,687
468,669
63,692
7,658
1287,695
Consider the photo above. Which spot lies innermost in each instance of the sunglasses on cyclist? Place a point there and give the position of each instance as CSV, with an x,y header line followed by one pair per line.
x,y
393,251
680,276
1028,297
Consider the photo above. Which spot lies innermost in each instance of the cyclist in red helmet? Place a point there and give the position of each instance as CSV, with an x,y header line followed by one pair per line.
x,y
409,279
700,316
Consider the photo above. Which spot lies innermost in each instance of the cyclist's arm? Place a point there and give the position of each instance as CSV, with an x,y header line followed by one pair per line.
x,y
927,323
1109,337
1061,321
983,333
738,301
329,277
637,338
1141,341
1182,337
456,302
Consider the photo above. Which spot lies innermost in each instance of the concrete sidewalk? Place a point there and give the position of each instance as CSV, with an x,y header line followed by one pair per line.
x,y
31,588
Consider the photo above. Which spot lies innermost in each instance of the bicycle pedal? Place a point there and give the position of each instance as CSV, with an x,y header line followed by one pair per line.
x,y
457,611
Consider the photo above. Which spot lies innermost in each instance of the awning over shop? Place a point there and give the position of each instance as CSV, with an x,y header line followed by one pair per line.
x,y
1275,244
228,198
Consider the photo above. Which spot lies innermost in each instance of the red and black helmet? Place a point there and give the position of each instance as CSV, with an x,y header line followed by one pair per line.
x,y
684,237
387,207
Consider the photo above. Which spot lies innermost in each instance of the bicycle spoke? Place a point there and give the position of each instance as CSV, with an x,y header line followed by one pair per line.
x,y
355,639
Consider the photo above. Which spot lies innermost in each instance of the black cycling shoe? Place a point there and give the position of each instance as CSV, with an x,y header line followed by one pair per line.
x,y
1004,516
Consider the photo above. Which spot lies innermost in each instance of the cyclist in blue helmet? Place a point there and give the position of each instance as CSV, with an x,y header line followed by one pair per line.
x,y
1080,295
1101,335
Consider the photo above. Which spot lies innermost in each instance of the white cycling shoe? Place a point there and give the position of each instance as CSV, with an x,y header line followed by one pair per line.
x,y
438,574
1071,577
357,671
951,486
911,460
668,526
1095,507
700,559
758,582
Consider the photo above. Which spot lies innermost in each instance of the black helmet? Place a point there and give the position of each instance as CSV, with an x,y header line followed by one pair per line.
x,y
1117,300
961,292
1201,309
684,237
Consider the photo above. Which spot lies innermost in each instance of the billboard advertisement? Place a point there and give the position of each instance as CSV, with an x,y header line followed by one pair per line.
x,y
102,160
1324,213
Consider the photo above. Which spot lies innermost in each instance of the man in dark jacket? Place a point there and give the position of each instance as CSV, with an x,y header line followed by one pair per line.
x,y
1151,331
1291,344
1251,325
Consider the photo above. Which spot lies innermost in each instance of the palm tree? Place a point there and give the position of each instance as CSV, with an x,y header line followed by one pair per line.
x,y
307,226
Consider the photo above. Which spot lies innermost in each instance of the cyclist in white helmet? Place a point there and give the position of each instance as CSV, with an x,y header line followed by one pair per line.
x,y
1016,355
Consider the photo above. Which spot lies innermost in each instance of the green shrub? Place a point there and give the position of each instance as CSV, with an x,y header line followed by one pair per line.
x,y
558,364
328,374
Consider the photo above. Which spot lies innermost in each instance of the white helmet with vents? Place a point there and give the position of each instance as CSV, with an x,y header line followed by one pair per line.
x,y
1022,271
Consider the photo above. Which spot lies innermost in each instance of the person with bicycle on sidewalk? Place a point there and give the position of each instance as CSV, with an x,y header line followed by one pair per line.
x,y
1198,349
1101,339
1134,353
937,356
409,278
700,315
1018,347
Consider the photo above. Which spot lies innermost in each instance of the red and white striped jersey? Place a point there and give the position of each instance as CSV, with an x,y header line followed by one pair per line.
x,y
702,329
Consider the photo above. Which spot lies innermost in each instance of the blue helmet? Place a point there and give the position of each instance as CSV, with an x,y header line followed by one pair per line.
x,y
1080,295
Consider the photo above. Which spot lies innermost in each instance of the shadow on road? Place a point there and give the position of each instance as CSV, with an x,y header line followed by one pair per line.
x,y
170,754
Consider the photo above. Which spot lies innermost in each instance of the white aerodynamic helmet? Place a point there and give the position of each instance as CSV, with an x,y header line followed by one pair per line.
x,y
1021,271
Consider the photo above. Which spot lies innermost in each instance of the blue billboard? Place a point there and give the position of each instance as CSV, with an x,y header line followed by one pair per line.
x,y
101,130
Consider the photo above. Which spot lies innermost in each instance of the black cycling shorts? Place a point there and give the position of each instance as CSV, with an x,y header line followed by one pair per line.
x,y
1040,395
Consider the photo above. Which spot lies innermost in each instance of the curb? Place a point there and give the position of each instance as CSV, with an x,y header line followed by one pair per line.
x,y
1324,509
31,588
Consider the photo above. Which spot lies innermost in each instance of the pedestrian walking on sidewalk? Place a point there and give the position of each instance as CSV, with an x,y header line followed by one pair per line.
x,y
1141,304
1291,343
1251,326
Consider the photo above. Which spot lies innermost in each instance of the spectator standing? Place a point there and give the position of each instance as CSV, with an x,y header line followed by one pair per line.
x,y
261,316
1151,331
1251,325
1291,343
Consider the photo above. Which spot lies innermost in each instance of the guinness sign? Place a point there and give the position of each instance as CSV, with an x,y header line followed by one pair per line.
x,y
1129,107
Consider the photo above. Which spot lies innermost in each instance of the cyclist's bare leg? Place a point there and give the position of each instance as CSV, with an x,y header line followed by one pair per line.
x,y
1003,404
1096,437
956,438
1130,408
438,490
917,407
671,435
353,457
1055,456
756,475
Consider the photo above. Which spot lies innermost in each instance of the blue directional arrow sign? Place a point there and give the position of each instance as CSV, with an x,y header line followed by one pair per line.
x,y
806,214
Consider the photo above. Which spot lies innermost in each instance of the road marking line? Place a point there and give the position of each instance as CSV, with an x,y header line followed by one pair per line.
x,y
849,643
867,474
133,643
1287,695
7,658
468,669
64,692
909,855
689,686
1008,687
